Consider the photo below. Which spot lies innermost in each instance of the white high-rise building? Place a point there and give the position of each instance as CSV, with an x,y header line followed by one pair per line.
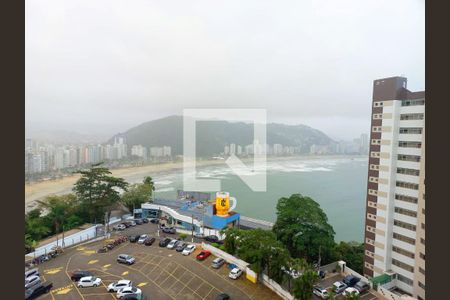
x,y
395,214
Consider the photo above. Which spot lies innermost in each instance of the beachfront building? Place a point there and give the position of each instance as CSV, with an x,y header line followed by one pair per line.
x,y
395,210
193,214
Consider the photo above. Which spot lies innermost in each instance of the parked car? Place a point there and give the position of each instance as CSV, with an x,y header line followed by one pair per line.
x,y
133,238
350,290
199,235
339,287
164,242
217,263
134,297
32,272
145,220
170,230
149,241
142,239
223,296
212,239
320,292
120,227
77,275
351,280
38,290
132,223
139,221
89,281
203,255
115,286
189,249
172,244
362,286
180,247
128,291
235,273
126,259
31,281
154,221
126,224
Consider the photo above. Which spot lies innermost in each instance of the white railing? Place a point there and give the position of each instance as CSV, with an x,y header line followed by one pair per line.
x,y
73,239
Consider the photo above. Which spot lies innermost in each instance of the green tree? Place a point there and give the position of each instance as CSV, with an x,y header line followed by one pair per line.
x,y
303,285
182,236
58,210
231,237
138,194
303,228
352,253
35,227
98,192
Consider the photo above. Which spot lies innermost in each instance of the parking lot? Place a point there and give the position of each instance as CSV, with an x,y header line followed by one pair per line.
x,y
328,281
159,272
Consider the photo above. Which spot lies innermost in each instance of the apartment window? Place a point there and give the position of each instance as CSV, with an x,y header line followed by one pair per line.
x,y
405,157
411,130
421,270
422,256
406,171
371,217
374,167
422,225
370,229
405,225
378,104
413,102
377,116
409,144
406,117
370,241
422,240
376,142
373,192
373,179
374,154
369,254
421,285
403,265
407,185
406,198
405,212
403,252
404,279
403,238
423,211
376,128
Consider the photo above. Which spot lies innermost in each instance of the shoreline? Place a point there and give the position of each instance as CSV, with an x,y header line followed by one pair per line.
x,y
38,190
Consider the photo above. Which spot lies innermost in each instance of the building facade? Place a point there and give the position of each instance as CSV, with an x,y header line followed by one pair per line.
x,y
396,170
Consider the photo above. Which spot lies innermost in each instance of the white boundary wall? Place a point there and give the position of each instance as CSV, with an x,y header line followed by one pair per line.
x,y
274,286
76,238
228,257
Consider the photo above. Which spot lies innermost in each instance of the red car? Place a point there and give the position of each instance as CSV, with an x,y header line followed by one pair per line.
x,y
204,254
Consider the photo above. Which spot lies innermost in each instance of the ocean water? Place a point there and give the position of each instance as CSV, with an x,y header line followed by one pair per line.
x,y
337,184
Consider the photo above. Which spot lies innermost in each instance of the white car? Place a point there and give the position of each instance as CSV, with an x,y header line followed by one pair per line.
x,y
128,291
89,281
189,249
121,227
142,239
349,291
172,244
32,281
235,273
115,286
339,287
320,292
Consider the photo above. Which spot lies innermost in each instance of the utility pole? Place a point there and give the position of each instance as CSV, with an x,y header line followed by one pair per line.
x,y
192,228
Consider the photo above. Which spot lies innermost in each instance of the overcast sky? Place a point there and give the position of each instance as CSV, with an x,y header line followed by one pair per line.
x,y
105,66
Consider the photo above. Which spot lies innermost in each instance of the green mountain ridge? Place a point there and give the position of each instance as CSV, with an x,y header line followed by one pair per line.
x,y
212,136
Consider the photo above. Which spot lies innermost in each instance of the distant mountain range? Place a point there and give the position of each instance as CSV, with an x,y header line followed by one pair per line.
x,y
212,136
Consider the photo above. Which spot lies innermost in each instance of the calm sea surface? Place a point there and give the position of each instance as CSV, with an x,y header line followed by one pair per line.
x,y
337,184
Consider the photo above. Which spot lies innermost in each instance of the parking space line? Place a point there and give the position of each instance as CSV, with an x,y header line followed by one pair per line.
x,y
67,273
208,293
137,270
